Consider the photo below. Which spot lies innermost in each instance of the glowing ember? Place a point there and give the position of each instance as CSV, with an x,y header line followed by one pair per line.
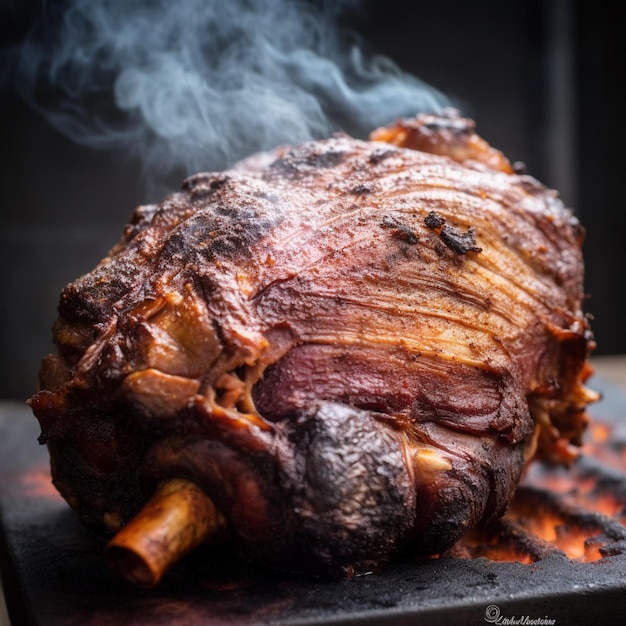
x,y
37,483
579,512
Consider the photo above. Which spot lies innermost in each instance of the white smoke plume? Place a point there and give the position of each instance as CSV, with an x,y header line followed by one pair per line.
x,y
195,85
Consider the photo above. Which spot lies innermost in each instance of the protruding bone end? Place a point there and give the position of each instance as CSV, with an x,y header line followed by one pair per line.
x,y
177,519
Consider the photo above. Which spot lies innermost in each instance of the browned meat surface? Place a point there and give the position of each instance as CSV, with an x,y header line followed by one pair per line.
x,y
352,347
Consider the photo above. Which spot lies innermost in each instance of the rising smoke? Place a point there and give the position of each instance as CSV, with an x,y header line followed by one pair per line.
x,y
195,85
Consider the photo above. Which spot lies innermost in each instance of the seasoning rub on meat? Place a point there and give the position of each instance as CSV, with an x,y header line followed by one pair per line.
x,y
326,355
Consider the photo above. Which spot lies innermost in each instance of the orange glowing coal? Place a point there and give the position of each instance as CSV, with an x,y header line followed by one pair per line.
x,y
37,483
579,512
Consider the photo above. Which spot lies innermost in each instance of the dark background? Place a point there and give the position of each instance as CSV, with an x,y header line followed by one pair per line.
x,y
541,79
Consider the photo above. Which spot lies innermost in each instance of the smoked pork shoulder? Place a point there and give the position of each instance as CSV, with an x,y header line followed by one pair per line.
x,y
352,348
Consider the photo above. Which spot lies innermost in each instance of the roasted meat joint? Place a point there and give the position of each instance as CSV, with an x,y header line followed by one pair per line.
x,y
326,356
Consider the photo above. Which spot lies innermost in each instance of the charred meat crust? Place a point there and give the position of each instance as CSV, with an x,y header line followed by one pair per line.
x,y
351,347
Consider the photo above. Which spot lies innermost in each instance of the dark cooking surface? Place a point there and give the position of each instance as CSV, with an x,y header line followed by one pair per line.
x,y
53,572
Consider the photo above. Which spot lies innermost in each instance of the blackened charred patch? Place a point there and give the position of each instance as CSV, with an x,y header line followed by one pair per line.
x,y
451,123
90,299
305,160
380,154
204,179
364,520
227,217
220,231
361,190
434,220
203,186
399,230
458,242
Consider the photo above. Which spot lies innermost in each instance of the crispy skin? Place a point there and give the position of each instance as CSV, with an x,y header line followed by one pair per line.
x,y
353,347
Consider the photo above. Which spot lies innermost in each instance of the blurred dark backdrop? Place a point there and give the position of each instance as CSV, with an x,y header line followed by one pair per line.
x,y
541,79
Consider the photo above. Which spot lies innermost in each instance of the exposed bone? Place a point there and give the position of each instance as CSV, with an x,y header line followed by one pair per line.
x,y
177,519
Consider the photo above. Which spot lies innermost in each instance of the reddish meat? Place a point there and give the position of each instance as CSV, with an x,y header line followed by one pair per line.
x,y
352,346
